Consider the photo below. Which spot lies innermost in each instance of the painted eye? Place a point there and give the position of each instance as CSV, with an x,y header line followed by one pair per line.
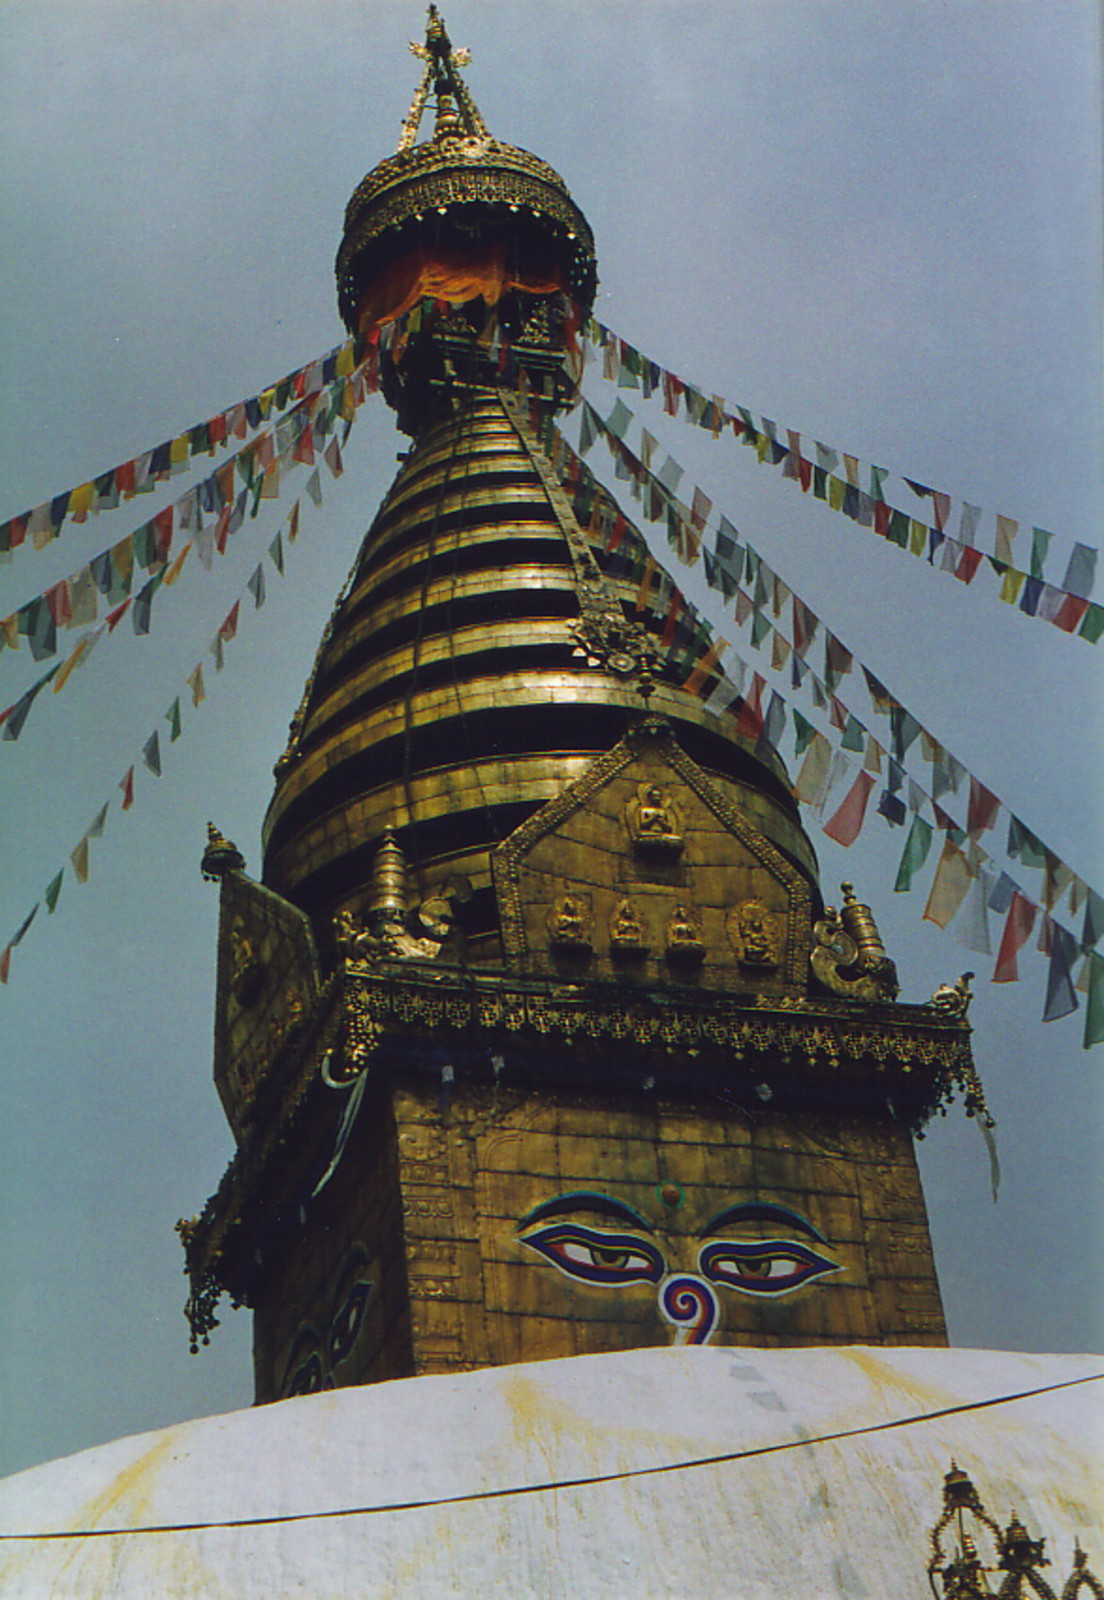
x,y
304,1369
597,1257
767,1266
348,1320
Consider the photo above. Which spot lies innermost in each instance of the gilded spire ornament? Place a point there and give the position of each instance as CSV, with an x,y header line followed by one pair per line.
x,y
456,110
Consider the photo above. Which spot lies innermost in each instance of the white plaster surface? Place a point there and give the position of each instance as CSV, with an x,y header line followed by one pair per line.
x,y
469,1485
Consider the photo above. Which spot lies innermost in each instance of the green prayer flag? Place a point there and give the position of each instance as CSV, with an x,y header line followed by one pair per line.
x,y
1040,544
1094,1011
276,551
760,628
1092,624
899,529
803,733
53,890
854,734
172,717
914,854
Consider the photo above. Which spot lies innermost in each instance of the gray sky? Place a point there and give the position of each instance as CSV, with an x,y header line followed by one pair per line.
x,y
877,223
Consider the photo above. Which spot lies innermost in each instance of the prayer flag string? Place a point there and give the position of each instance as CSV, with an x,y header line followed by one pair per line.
x,y
262,466
39,526
840,770
170,727
858,492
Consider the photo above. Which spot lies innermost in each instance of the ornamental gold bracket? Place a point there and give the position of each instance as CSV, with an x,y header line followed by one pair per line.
x,y
849,957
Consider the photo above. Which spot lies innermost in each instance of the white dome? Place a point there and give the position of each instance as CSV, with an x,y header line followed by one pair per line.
x,y
677,1472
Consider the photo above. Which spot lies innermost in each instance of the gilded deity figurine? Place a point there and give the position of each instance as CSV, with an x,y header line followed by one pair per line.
x,y
653,822
627,936
569,924
753,930
684,940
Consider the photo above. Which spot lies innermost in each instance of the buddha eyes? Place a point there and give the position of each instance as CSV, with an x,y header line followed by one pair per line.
x,y
759,1267
595,1256
769,1266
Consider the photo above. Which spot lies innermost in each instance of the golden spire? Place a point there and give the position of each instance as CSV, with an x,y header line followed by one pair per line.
x,y
457,113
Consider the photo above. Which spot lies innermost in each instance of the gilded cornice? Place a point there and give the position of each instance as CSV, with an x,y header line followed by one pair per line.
x,y
588,1035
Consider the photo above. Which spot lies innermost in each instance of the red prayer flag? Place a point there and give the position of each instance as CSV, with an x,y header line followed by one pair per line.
x,y
968,563
1017,931
669,627
163,532
846,825
57,600
127,786
230,626
983,809
5,964
749,720
881,519
116,616
1068,615
672,389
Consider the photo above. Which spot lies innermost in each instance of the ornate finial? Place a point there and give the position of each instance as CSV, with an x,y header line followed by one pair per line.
x,y
963,1573
456,110
953,999
220,856
387,895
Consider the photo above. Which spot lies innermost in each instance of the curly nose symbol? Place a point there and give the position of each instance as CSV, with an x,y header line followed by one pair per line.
x,y
690,1305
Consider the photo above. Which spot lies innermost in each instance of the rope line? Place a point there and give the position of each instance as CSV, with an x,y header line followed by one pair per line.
x,y
567,1483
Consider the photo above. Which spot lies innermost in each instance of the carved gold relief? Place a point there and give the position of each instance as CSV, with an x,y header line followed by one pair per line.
x,y
685,945
569,923
247,971
653,822
627,934
756,934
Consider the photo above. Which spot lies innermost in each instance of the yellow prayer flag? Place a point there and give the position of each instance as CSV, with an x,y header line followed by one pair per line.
x,y
837,490
952,879
1011,584
347,407
122,560
851,467
9,630
174,571
762,445
1007,528
80,502
872,756
343,366
179,450
70,666
79,858
265,400
918,536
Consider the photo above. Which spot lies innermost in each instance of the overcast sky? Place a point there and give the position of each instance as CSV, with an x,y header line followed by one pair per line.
x,y
877,223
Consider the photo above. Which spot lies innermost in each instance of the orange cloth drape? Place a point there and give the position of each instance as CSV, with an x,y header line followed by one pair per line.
x,y
455,275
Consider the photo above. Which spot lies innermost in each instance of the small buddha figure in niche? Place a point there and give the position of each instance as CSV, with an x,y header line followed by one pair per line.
x,y
569,924
684,940
753,930
653,822
627,936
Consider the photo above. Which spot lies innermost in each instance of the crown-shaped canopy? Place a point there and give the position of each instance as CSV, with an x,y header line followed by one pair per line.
x,y
460,216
